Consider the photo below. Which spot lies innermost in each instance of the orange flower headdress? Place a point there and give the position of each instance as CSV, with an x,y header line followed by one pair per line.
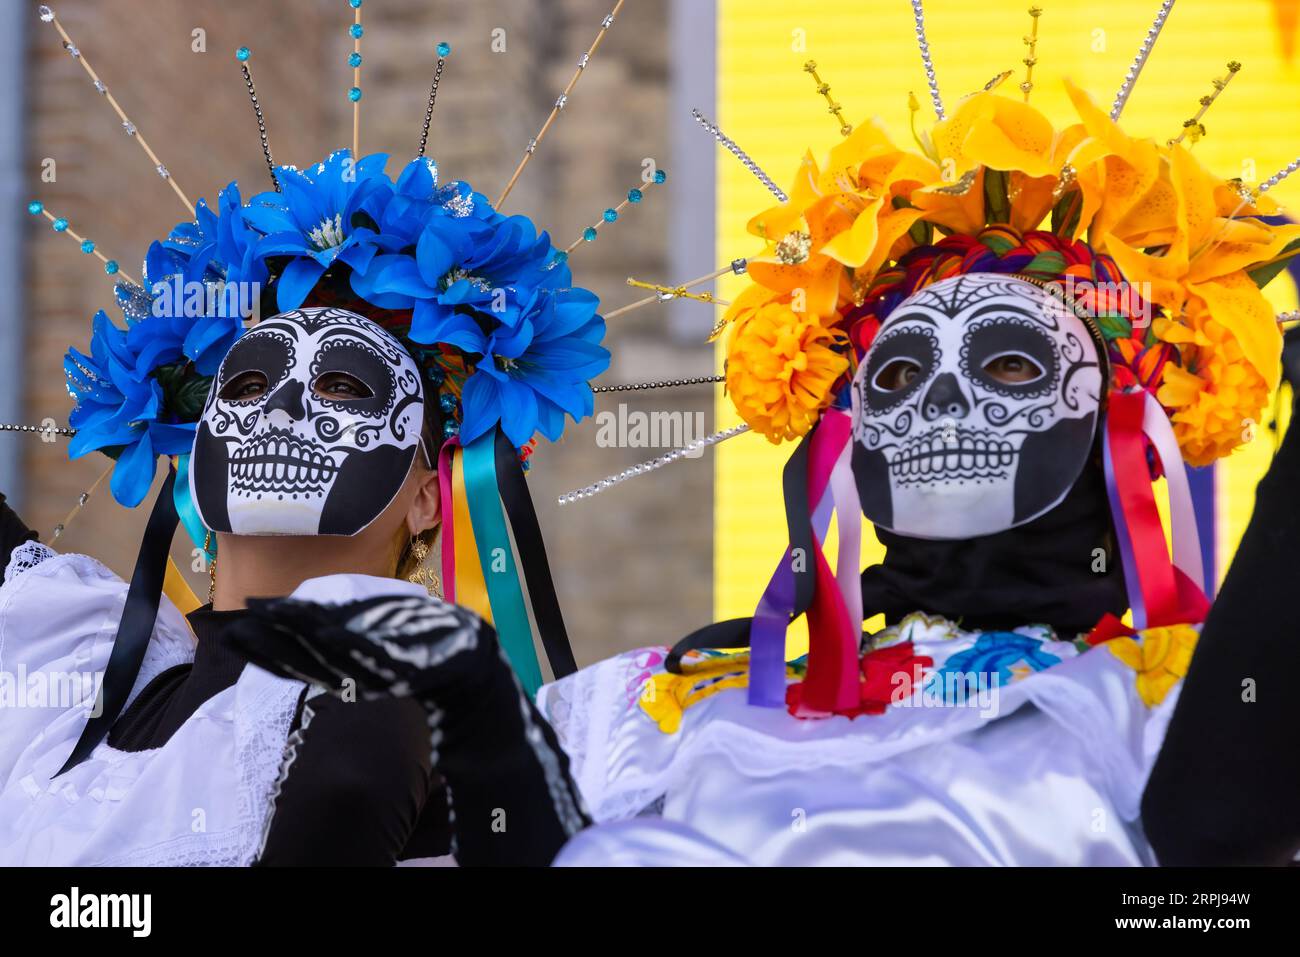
x,y
997,170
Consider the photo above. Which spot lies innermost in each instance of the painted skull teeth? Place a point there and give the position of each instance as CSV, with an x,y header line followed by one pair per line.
x,y
282,462
939,455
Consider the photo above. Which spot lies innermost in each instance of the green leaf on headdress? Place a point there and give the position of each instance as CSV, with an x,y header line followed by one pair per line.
x,y
921,233
997,207
184,390
1066,213
1263,273
1113,327
1049,262
191,396
363,219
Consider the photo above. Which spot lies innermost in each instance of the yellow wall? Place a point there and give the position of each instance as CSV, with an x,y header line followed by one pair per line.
x,y
866,51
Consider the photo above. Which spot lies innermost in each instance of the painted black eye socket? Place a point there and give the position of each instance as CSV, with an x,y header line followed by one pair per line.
x,y
897,374
341,387
897,365
367,387
245,387
1011,355
256,363
1014,368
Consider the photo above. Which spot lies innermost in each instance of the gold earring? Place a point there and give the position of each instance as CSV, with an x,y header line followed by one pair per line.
x,y
421,575
212,567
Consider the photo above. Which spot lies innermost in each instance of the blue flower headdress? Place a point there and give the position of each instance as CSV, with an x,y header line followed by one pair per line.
x,y
508,336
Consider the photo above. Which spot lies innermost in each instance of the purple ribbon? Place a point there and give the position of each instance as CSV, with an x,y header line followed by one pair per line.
x,y
772,619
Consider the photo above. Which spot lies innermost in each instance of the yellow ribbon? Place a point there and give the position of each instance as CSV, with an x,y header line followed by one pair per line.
x,y
176,588
471,589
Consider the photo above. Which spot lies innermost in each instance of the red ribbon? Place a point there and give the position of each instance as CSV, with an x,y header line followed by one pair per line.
x,y
1168,595
831,683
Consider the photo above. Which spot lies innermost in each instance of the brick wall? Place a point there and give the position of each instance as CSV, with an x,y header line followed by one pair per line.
x,y
633,565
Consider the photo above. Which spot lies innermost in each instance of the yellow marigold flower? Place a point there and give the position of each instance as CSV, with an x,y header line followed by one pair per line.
x,y
1160,660
781,365
1216,397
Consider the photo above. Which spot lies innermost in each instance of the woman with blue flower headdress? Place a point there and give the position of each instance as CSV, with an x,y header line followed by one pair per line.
x,y
415,341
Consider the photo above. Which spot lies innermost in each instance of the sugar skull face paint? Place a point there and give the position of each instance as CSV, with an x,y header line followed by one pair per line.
x,y
311,427
974,408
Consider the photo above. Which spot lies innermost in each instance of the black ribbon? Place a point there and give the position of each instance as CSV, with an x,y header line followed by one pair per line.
x,y
136,627
734,633
532,556
798,524
730,634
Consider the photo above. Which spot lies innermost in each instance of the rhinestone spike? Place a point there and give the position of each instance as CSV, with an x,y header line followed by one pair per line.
x,y
741,155
645,468
1144,51
664,384
1280,175
918,15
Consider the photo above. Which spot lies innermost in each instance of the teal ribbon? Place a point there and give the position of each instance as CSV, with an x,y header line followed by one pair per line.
x,y
496,555
189,515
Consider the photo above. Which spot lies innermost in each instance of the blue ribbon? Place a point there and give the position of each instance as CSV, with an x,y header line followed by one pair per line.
x,y
189,515
506,596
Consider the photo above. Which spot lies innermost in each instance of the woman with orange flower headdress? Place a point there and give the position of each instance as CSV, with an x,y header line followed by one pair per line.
x,y
991,349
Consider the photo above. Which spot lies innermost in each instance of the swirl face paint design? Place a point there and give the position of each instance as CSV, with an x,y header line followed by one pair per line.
x,y
974,409
311,427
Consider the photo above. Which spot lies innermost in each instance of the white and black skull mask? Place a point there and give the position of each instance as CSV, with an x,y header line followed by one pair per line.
x,y
311,427
974,408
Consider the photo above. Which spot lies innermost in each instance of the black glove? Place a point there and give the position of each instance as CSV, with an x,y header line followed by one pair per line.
x,y
395,646
508,779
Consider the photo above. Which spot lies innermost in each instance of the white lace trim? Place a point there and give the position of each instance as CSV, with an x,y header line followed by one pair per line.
x,y
582,709
291,746
26,557
263,730
566,705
